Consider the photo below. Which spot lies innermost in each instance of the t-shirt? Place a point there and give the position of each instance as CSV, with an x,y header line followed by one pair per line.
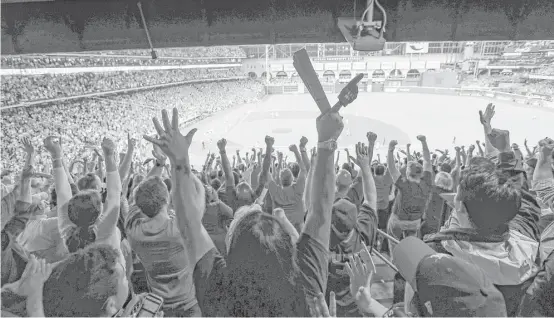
x,y
312,260
215,220
383,185
289,199
161,250
410,201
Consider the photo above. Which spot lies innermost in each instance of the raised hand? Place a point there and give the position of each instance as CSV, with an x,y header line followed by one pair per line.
x,y
27,145
221,144
32,280
269,141
546,146
158,154
171,141
360,269
421,138
293,148
313,155
131,142
471,148
458,149
53,147
487,116
280,156
371,137
108,147
320,308
303,142
393,144
212,156
329,126
362,156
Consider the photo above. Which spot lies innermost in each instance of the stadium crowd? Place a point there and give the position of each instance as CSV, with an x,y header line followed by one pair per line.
x,y
20,89
252,234
87,121
166,56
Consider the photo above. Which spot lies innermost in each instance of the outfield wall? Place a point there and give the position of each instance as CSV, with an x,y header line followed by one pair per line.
x,y
330,88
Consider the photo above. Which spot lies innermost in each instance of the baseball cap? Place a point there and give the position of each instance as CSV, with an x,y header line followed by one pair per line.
x,y
446,285
344,215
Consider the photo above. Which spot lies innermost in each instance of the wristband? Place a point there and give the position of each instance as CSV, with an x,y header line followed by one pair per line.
x,y
222,151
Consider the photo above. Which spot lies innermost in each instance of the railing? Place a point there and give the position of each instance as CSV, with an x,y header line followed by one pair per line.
x,y
383,257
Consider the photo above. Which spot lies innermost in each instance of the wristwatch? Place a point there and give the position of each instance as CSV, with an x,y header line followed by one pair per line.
x,y
329,145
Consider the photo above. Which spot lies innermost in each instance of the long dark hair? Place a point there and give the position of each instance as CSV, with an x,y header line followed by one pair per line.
x,y
83,210
261,271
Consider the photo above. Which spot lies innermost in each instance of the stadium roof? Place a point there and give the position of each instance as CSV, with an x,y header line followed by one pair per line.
x,y
23,1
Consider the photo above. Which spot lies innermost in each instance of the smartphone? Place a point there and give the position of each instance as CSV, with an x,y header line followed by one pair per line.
x,y
151,306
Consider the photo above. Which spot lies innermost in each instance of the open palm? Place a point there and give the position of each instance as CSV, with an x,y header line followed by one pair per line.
x,y
170,140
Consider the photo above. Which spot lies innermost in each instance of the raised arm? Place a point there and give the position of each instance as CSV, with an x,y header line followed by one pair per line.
x,y
188,196
303,152
29,151
229,178
308,186
25,190
303,172
318,220
408,153
107,222
239,159
395,174
470,151
486,119
125,164
100,167
265,174
364,155
427,164
159,165
481,152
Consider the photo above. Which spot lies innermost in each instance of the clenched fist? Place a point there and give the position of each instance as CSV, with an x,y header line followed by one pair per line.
x,y
303,141
293,148
392,144
108,146
221,144
471,148
458,149
52,145
269,141
371,137
422,138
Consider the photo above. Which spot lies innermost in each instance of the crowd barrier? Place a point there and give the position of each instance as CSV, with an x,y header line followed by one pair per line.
x,y
332,88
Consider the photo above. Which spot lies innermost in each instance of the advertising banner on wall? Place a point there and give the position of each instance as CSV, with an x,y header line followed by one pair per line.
x,y
417,47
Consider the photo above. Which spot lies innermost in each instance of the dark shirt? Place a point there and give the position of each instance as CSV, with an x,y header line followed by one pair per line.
x,y
211,269
343,245
411,198
435,208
